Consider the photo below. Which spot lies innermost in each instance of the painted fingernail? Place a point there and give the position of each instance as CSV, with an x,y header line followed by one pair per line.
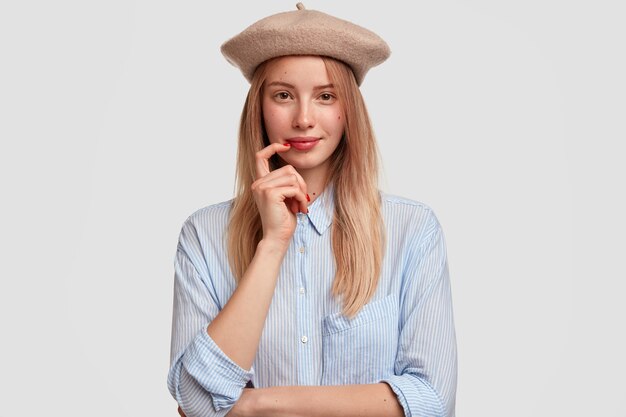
x,y
308,198
287,144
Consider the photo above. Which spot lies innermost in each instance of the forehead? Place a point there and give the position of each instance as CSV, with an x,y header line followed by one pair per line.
x,y
298,70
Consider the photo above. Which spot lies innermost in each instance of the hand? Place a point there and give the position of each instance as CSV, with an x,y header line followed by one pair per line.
x,y
278,194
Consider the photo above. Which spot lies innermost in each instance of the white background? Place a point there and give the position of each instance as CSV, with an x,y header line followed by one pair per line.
x,y
118,119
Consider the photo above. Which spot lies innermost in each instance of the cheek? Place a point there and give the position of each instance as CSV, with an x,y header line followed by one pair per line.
x,y
276,124
274,118
338,122
270,120
269,114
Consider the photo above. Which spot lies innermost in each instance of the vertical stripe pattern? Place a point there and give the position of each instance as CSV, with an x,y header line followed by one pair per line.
x,y
404,336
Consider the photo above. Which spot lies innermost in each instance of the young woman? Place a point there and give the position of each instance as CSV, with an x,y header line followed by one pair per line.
x,y
327,296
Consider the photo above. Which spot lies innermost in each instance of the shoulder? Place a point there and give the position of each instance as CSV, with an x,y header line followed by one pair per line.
x,y
406,216
207,224
217,212
396,200
401,208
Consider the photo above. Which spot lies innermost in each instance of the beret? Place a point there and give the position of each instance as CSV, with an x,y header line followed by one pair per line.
x,y
305,32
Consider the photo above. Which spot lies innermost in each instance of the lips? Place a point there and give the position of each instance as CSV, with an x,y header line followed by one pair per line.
x,y
303,143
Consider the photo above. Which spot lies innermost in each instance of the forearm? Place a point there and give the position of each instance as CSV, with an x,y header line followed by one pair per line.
x,y
238,327
326,401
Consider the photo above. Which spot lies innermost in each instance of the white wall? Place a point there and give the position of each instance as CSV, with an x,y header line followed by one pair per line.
x,y
118,120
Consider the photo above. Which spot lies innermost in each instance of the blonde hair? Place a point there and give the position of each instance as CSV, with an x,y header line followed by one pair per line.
x,y
357,230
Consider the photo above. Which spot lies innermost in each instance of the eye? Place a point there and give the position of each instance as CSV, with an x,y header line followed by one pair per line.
x,y
282,95
327,97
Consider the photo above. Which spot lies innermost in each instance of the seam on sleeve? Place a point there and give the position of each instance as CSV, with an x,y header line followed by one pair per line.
x,y
436,238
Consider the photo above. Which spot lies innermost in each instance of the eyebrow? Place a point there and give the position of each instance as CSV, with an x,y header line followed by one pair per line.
x,y
284,84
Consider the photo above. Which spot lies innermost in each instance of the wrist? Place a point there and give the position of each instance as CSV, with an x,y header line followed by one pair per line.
x,y
264,404
246,406
272,247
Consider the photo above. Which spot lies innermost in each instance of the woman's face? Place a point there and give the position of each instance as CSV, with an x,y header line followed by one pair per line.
x,y
300,107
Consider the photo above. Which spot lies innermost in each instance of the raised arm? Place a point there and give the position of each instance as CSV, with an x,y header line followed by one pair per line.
x,y
210,369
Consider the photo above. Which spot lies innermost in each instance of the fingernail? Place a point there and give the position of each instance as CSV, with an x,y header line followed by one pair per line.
x,y
307,211
287,144
308,198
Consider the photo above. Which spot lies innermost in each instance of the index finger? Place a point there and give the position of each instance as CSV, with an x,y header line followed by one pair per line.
x,y
262,157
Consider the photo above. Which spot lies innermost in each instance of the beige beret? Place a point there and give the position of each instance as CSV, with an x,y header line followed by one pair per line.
x,y
305,32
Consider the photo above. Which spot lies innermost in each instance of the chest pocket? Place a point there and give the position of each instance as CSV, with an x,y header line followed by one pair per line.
x,y
361,350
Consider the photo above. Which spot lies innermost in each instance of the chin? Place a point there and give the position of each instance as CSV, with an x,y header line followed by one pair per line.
x,y
301,162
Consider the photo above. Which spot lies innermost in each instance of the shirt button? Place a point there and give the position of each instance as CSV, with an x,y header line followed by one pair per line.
x,y
301,250
304,339
301,290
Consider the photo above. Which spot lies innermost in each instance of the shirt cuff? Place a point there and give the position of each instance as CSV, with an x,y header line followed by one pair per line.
x,y
215,371
416,396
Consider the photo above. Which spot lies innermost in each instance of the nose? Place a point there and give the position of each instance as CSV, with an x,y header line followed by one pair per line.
x,y
304,117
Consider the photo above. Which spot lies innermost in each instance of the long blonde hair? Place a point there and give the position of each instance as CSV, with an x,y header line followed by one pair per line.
x,y
357,230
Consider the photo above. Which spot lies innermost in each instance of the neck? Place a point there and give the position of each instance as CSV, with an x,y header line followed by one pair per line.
x,y
315,179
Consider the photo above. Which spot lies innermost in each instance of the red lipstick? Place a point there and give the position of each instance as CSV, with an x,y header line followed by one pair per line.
x,y
303,143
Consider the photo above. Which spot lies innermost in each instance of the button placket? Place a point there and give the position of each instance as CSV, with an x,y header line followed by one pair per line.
x,y
303,234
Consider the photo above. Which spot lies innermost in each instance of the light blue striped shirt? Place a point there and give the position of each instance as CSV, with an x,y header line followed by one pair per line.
x,y
404,336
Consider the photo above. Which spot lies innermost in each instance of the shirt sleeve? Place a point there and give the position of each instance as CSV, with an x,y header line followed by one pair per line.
x,y
202,379
425,371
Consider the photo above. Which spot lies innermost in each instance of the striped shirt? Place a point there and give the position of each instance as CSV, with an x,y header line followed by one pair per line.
x,y
404,336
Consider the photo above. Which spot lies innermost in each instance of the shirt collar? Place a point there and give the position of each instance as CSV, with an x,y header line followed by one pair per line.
x,y
322,210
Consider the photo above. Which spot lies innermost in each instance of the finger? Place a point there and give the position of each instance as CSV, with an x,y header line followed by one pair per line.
x,y
288,203
263,156
267,183
304,206
293,206
294,192
286,171
271,181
